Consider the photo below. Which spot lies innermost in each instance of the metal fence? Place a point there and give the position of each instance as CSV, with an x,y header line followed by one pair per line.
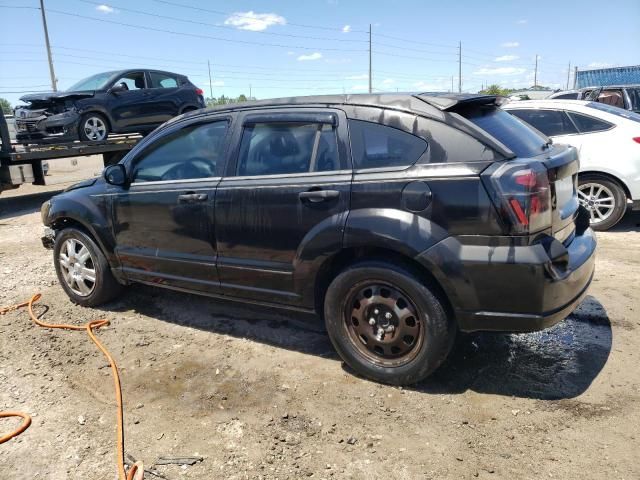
x,y
608,76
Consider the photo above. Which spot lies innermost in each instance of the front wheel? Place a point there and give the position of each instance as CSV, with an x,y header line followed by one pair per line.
x,y
604,199
82,269
93,127
386,324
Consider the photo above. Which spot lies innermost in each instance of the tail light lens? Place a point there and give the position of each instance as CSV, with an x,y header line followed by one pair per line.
x,y
199,91
523,196
636,139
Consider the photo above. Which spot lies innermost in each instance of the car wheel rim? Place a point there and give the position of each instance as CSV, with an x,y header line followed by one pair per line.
x,y
95,128
383,324
78,267
598,200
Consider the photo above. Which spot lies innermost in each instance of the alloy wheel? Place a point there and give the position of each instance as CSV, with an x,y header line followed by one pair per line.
x,y
598,200
95,128
78,267
384,324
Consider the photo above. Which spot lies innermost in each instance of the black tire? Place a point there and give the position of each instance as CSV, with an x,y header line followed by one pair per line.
x,y
101,134
619,206
438,330
103,288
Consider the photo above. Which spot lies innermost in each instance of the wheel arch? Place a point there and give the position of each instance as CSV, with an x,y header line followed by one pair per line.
x,y
102,112
609,176
347,257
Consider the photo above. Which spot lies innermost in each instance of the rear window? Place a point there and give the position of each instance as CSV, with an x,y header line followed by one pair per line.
x,y
378,146
508,130
615,111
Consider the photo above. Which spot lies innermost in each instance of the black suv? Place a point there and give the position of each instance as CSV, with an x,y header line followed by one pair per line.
x,y
120,102
398,218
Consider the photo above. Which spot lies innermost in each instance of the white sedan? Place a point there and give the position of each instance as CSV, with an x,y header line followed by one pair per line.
x,y
608,139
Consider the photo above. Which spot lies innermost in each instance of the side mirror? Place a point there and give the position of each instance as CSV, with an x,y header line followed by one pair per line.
x,y
115,175
118,87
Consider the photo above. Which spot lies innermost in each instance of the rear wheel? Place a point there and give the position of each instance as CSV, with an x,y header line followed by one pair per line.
x,y
603,198
82,269
386,324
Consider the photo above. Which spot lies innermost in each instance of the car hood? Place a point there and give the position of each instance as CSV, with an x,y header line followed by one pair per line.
x,y
52,96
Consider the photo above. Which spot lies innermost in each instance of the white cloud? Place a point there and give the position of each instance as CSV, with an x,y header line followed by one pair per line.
x,y
506,58
506,71
311,56
291,53
346,29
364,76
256,22
106,9
510,44
388,81
599,65
360,88
523,21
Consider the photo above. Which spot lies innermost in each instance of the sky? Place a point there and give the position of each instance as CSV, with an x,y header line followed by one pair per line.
x,y
274,48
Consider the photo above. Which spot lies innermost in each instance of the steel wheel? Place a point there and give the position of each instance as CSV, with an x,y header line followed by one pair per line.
x,y
94,128
383,324
598,199
78,267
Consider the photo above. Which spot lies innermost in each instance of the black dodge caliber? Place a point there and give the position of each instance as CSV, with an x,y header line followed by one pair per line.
x,y
399,219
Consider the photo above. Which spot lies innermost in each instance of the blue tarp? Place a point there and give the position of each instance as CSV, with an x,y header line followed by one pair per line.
x,y
609,76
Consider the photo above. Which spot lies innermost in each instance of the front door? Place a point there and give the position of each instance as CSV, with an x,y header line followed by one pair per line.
x,y
283,203
164,222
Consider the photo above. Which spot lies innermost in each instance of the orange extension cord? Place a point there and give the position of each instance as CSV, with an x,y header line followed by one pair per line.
x,y
136,472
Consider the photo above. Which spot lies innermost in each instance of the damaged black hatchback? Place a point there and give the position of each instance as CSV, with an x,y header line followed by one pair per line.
x,y
122,101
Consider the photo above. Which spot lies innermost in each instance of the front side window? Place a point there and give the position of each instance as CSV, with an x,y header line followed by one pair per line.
x,y
550,122
378,146
285,148
132,81
162,80
588,124
193,152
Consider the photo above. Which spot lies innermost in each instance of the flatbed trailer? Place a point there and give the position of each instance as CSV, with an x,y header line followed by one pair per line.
x,y
23,163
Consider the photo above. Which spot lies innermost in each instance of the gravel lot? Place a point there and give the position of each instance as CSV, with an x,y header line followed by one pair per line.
x,y
261,394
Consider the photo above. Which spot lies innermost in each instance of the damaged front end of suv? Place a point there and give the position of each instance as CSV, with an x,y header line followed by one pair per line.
x,y
49,117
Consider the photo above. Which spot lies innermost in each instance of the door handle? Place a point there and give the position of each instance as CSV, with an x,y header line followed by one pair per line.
x,y
192,197
318,195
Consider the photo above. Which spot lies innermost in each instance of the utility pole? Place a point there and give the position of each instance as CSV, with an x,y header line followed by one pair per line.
x,y
459,67
535,73
568,75
451,84
249,91
54,82
575,76
370,84
210,83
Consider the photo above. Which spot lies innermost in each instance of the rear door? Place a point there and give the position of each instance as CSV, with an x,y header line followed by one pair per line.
x,y
163,221
162,100
128,107
283,204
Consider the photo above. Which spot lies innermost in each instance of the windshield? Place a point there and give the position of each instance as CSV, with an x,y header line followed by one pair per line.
x,y
619,112
95,82
519,137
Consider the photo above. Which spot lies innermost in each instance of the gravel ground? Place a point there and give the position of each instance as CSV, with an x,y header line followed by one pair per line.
x,y
261,394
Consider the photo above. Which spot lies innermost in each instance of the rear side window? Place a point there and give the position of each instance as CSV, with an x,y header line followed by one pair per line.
x,y
587,124
377,146
508,130
549,122
162,80
284,148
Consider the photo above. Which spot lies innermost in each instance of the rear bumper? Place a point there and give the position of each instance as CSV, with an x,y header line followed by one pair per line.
x,y
512,288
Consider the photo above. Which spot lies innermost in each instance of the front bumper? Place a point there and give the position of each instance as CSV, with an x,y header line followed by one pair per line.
x,y
48,129
511,288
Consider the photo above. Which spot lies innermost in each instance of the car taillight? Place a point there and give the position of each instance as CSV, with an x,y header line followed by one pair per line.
x,y
522,194
636,139
199,91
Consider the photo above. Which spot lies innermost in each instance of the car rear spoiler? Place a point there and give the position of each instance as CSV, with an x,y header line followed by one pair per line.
x,y
448,102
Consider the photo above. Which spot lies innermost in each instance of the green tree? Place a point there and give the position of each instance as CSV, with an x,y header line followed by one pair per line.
x,y
493,89
222,100
6,106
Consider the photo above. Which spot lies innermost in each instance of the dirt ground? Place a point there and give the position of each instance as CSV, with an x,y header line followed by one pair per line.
x,y
261,394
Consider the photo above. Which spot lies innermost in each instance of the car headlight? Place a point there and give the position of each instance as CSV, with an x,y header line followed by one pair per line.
x,y
44,211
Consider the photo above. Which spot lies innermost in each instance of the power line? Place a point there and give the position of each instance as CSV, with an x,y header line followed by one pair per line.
x,y
214,25
239,15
